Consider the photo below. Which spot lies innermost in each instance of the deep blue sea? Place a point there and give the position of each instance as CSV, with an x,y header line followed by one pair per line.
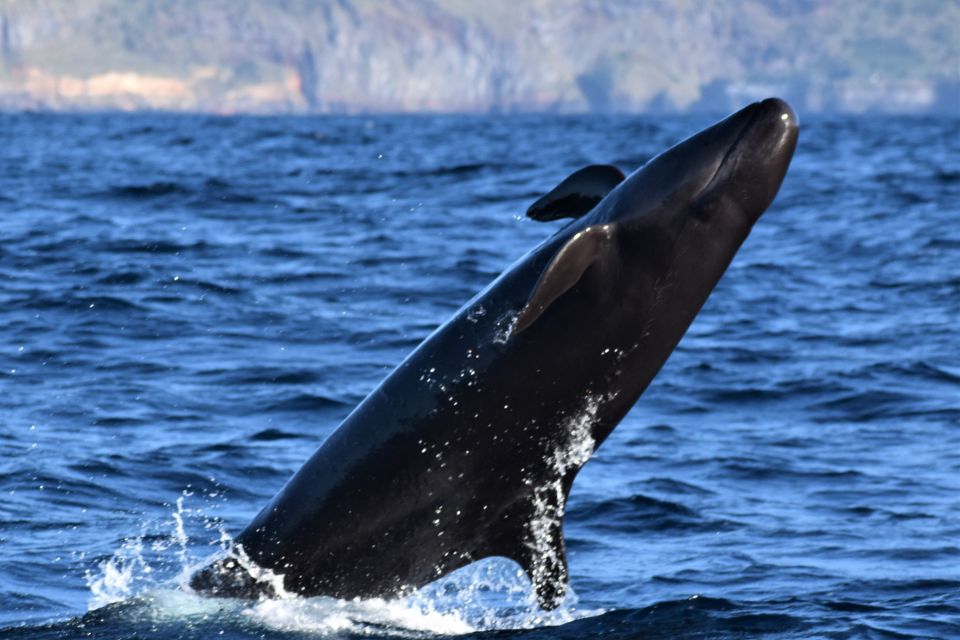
x,y
189,305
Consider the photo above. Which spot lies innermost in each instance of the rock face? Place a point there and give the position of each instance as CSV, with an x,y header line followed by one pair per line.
x,y
463,55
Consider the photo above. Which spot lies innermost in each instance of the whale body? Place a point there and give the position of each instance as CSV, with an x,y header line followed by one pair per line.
x,y
469,448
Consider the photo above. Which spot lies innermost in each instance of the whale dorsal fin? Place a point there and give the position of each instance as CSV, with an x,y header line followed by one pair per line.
x,y
577,194
564,271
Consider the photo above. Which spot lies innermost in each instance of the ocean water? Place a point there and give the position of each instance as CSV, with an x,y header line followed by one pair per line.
x,y
189,305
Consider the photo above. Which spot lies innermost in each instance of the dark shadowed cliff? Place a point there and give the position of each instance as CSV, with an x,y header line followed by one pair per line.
x,y
465,55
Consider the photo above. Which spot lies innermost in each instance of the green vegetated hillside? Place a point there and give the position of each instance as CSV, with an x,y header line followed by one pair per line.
x,y
470,55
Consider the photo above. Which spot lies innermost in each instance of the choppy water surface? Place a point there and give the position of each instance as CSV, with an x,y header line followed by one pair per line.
x,y
189,305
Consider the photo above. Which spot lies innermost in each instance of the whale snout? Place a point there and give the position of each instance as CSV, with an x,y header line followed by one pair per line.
x,y
780,111
774,138
777,125
756,163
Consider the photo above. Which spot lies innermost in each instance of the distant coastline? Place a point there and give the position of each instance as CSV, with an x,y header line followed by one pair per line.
x,y
360,56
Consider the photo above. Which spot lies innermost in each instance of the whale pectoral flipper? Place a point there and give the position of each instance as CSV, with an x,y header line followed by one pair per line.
x,y
564,271
577,194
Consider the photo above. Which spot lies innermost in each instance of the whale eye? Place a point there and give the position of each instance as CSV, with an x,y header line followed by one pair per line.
x,y
702,211
706,209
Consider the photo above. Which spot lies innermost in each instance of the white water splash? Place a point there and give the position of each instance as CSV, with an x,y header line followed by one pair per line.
x,y
154,559
575,448
476,313
179,532
503,327
495,594
116,578
236,553
489,595
386,617
153,569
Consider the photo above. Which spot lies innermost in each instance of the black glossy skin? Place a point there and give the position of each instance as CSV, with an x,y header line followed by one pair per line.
x,y
577,194
440,465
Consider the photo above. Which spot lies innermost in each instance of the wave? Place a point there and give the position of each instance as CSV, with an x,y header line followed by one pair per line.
x,y
638,513
146,190
306,402
154,246
270,435
211,190
123,278
42,301
261,375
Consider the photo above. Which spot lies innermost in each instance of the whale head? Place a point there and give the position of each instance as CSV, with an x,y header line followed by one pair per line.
x,y
656,242
727,174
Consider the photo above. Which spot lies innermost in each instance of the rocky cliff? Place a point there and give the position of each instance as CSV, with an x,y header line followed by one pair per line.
x,y
471,55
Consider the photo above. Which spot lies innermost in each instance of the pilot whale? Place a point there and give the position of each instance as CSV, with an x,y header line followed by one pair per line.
x,y
469,448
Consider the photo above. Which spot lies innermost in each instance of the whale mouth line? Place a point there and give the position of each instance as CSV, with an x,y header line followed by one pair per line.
x,y
733,146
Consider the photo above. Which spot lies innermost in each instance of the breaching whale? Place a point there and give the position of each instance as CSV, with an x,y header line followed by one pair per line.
x,y
468,449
